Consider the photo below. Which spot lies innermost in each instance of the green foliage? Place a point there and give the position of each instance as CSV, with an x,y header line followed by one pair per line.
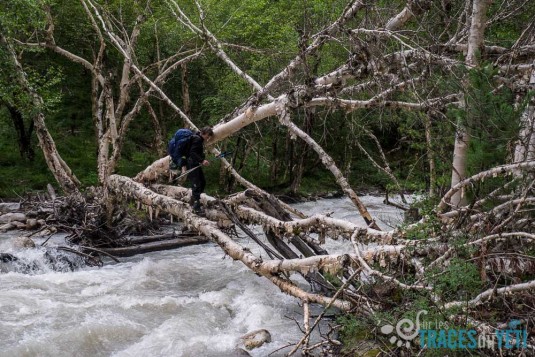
x,y
353,330
261,37
21,17
432,225
459,280
490,117
333,279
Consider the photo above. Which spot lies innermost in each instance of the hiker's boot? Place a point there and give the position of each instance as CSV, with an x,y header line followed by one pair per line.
x,y
197,208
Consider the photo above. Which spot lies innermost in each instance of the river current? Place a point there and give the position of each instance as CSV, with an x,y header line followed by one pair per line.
x,y
192,301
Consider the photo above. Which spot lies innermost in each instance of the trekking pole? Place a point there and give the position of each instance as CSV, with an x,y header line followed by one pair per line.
x,y
223,154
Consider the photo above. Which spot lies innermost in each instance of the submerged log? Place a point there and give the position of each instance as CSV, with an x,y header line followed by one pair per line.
x,y
155,246
7,257
156,238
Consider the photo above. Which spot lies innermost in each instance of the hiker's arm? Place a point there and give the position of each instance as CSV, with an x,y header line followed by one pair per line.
x,y
196,152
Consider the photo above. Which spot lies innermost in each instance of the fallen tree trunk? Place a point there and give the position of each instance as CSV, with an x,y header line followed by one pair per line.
x,y
155,246
316,223
123,187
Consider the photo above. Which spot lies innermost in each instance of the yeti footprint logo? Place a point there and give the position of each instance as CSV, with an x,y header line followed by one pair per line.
x,y
405,334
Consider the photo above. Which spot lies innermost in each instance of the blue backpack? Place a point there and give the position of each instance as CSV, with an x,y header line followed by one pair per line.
x,y
179,145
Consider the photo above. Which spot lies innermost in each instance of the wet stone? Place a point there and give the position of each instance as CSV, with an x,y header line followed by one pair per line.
x,y
10,217
256,338
23,242
6,207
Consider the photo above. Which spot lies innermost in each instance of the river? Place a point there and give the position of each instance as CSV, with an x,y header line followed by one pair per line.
x,y
192,301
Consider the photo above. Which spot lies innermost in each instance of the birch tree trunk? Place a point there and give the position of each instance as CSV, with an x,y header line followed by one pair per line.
x,y
430,154
61,171
525,148
185,90
462,138
129,189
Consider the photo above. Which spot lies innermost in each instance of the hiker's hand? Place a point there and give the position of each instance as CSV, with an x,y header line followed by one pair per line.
x,y
206,163
183,169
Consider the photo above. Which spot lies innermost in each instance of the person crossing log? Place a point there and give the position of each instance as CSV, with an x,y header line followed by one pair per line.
x,y
187,153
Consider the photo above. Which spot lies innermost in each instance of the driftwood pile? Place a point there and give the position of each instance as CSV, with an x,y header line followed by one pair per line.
x,y
92,231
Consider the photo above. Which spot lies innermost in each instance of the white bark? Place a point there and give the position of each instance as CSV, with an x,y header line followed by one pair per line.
x,y
413,8
493,237
499,170
312,223
251,115
374,272
317,41
458,172
525,148
462,138
477,30
487,295
126,188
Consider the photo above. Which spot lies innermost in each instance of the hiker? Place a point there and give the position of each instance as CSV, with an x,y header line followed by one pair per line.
x,y
187,152
195,158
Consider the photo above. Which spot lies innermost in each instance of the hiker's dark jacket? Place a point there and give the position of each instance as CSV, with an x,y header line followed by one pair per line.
x,y
196,150
195,158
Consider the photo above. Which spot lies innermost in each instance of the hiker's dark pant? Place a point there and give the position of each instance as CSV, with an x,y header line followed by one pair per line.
x,y
196,177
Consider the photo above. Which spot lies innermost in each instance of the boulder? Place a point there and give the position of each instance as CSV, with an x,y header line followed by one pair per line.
x,y
7,227
32,223
6,207
23,242
11,217
256,339
19,225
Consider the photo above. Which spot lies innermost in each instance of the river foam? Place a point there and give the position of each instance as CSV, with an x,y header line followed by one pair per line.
x,y
192,301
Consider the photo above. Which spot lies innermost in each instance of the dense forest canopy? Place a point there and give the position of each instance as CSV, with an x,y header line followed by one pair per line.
x,y
262,37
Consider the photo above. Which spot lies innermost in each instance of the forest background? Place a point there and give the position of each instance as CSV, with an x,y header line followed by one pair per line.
x,y
262,36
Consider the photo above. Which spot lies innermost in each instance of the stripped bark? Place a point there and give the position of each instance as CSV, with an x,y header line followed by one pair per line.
x,y
315,223
127,188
